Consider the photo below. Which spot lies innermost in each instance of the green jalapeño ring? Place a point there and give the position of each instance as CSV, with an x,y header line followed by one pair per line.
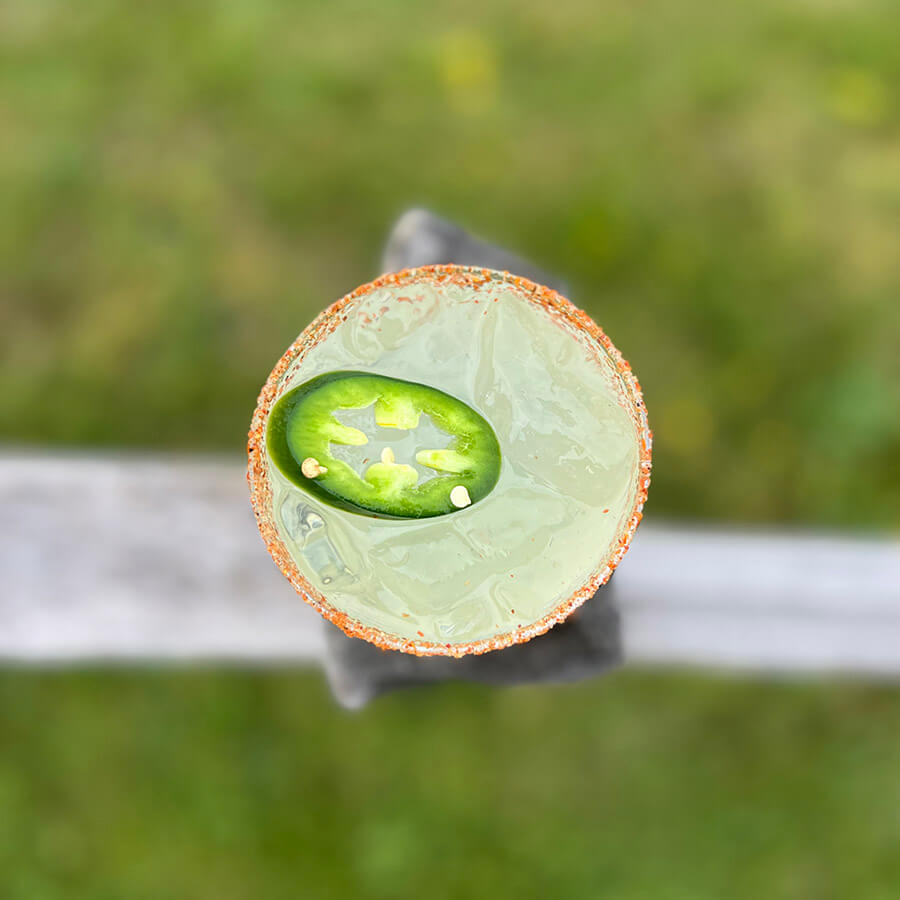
x,y
303,427
449,460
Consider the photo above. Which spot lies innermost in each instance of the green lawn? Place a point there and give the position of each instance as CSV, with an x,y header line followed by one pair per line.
x,y
230,785
185,184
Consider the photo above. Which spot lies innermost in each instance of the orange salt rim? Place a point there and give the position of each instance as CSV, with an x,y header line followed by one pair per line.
x,y
562,312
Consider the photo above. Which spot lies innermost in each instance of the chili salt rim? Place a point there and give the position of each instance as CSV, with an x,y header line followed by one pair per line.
x,y
561,311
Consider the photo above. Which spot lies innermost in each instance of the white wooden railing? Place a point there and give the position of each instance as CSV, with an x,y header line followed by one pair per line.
x,y
158,557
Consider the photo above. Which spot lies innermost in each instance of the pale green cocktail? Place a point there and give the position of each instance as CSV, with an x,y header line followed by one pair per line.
x,y
575,464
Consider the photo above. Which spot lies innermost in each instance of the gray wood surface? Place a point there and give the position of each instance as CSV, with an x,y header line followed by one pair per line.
x,y
130,557
158,558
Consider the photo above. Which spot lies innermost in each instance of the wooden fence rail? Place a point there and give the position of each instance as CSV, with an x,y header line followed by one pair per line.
x,y
157,558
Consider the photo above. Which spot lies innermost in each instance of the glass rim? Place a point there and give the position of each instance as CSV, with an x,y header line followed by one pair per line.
x,y
560,310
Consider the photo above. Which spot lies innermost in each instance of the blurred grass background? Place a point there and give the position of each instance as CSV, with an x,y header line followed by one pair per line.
x,y
184,185
639,787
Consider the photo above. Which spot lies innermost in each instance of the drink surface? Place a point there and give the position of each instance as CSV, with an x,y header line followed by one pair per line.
x,y
569,477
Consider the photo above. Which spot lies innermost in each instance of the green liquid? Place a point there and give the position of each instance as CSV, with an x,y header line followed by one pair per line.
x,y
568,482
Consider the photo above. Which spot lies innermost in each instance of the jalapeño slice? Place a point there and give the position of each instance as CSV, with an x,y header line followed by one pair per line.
x,y
303,428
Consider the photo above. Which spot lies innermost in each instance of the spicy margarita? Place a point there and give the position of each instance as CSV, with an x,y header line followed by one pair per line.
x,y
449,460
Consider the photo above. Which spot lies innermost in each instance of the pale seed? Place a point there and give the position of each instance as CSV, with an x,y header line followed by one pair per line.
x,y
459,496
311,469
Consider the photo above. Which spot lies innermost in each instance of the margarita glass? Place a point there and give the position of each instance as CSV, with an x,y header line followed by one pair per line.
x,y
493,557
